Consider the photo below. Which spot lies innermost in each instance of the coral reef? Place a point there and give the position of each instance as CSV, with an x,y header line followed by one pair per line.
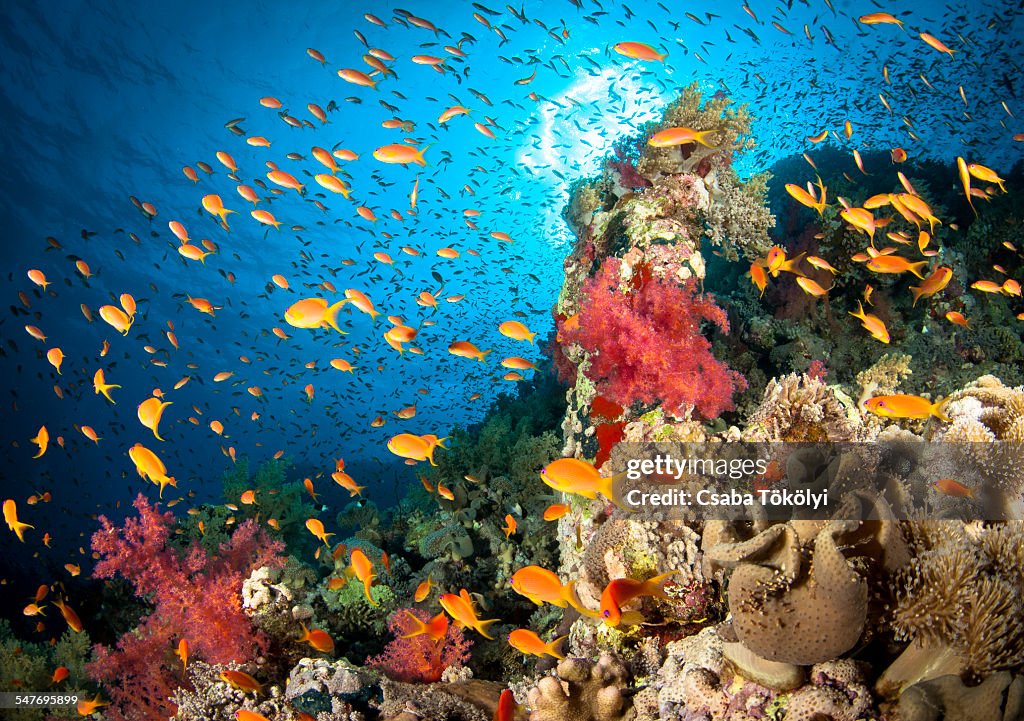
x,y
644,345
28,665
583,690
207,697
318,686
959,601
194,596
419,659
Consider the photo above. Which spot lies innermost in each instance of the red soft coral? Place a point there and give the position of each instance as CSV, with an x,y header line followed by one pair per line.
x,y
195,597
645,343
419,659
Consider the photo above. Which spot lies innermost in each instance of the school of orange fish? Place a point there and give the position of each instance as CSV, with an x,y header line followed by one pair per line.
x,y
266,194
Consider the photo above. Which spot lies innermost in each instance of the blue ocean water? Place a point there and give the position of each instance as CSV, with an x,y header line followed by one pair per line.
x,y
105,101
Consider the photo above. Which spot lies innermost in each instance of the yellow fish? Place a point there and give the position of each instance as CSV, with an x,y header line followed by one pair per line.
x,y
150,411
872,323
905,406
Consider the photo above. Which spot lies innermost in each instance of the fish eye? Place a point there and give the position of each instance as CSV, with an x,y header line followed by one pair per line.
x,y
607,614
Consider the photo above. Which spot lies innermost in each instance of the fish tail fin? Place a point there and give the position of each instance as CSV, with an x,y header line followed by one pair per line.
x,y
573,599
657,584
331,316
917,291
938,410
482,354
702,137
606,487
552,648
860,311
418,629
915,268
485,624
366,590
19,529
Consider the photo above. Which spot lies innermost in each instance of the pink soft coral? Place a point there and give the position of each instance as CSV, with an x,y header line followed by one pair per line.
x,y
195,597
645,343
419,659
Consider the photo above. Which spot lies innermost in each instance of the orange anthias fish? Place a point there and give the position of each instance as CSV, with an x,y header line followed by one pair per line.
x,y
422,590
316,527
243,714
895,264
571,475
516,330
639,51
805,198
149,412
776,262
465,349
507,707
86,707
398,153
436,628
949,487
317,638
11,518
240,680
905,406
871,323
182,653
510,525
935,283
42,440
100,385
555,511
621,591
314,313
415,448
543,586
526,641
362,568
149,466
670,137
74,623
460,608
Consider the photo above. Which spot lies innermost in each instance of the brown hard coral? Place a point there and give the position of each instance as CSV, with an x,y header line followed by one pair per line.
x,y
837,692
583,690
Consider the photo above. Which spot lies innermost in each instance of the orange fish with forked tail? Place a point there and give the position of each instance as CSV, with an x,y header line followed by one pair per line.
x,y
906,406
11,518
436,628
362,568
543,586
571,475
621,591
460,608
526,641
